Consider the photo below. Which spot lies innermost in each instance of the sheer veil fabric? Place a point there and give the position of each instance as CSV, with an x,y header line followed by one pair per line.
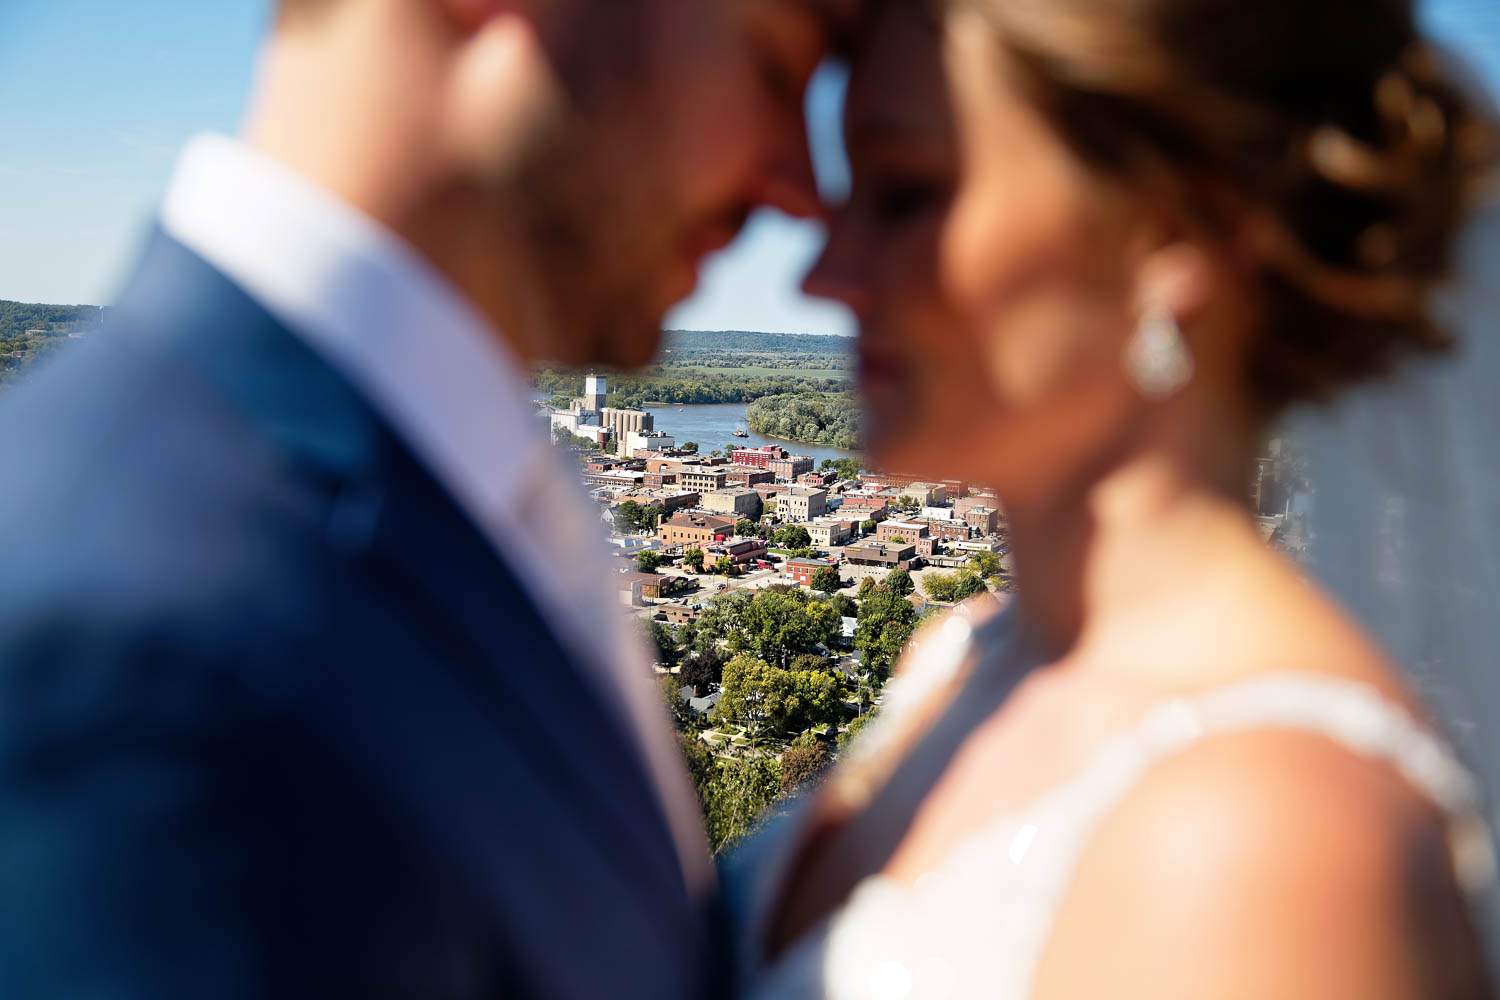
x,y
1404,517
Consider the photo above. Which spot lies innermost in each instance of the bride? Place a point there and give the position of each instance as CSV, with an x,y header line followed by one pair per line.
x,y
1096,247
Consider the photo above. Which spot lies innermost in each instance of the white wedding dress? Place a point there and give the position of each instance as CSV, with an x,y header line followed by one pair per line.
x,y
977,926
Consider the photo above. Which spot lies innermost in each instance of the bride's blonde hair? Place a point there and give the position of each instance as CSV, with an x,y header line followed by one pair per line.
x,y
1327,139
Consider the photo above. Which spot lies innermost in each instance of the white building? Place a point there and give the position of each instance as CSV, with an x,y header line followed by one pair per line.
x,y
648,441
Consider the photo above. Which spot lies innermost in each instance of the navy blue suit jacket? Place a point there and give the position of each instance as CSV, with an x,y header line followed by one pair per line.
x,y
275,719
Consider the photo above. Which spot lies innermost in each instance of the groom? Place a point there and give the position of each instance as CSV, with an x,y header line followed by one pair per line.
x,y
311,682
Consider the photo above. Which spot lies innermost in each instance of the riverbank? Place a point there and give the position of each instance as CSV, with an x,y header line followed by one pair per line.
x,y
712,425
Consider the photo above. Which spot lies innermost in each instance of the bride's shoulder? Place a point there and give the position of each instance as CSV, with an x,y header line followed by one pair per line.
x,y
1262,864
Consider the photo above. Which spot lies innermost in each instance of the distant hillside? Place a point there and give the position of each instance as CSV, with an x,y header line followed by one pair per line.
x,y
29,332
18,317
747,342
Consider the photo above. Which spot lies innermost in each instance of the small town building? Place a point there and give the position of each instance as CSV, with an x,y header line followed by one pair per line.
x,y
803,570
760,458
747,475
907,531
693,529
738,501
880,555
926,494
741,551
827,534
985,520
801,503
788,469
703,478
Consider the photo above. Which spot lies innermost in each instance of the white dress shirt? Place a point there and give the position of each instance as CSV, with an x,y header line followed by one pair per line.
x,y
447,382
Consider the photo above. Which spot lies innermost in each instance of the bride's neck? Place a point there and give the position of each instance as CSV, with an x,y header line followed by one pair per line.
x,y
1103,565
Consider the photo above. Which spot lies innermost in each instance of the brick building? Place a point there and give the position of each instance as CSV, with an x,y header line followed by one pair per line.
x,y
689,529
788,469
747,475
741,551
865,508
985,520
760,458
948,530
908,530
803,570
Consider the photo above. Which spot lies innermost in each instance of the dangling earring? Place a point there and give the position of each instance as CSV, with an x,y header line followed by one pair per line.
x,y
1157,358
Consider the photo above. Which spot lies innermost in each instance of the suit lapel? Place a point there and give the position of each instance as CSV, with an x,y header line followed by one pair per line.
x,y
392,516
448,572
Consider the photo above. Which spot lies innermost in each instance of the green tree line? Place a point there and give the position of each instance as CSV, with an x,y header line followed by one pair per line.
x,y
814,418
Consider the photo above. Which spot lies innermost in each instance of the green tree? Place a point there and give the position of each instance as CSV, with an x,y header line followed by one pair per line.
x,y
627,517
844,605
809,663
897,539
867,587
868,527
693,559
701,764
663,643
793,536
899,582
737,795
755,695
745,527
779,622
721,622
969,585
953,587
647,562
845,468
940,586
827,580
801,765
776,703
651,516
855,727
886,623
671,693
724,566
986,564
817,418
689,447
702,670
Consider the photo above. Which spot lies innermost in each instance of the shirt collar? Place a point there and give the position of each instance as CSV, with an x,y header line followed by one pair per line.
x,y
371,306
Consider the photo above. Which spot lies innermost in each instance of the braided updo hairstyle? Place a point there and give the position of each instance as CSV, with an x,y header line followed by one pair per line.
x,y
1326,137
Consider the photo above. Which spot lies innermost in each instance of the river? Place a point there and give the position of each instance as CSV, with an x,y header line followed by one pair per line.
x,y
712,426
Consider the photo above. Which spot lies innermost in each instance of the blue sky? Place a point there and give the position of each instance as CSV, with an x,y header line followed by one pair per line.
x,y
97,95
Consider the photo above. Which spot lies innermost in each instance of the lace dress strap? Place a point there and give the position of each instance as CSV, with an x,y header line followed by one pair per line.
x,y
1352,714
